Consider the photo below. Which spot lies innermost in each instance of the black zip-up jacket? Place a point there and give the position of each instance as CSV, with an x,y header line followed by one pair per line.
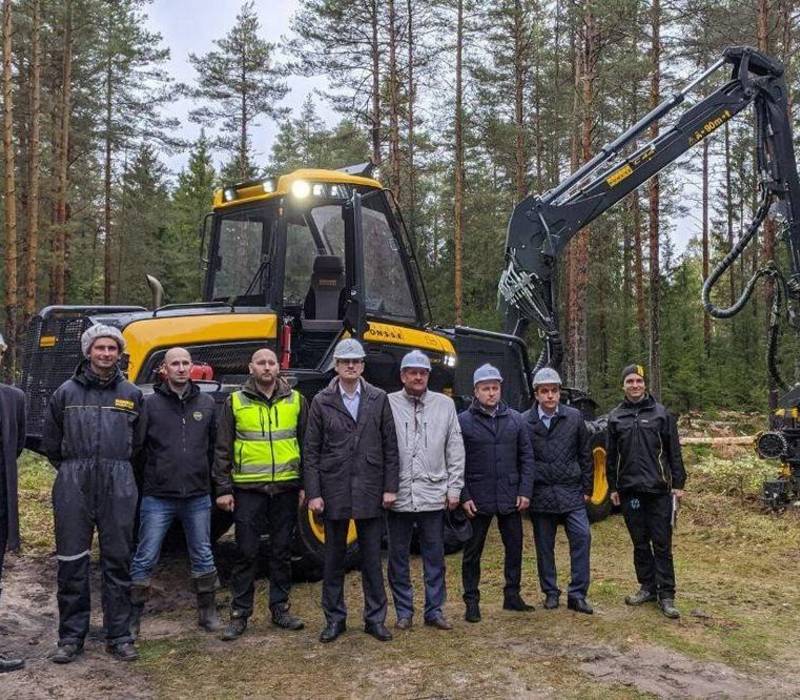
x,y
643,452
178,443
93,421
226,435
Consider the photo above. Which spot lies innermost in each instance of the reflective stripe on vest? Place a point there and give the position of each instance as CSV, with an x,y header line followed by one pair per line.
x,y
265,448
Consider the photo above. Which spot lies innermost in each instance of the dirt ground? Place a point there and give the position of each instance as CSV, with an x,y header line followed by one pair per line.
x,y
737,571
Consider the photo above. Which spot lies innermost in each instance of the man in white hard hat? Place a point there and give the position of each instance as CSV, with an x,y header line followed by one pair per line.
x,y
92,431
351,472
431,478
498,483
12,440
561,487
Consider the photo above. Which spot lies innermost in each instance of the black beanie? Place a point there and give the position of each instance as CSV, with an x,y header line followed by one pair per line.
x,y
633,369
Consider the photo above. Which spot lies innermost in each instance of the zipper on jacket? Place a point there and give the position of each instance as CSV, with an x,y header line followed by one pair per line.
x,y
183,438
271,447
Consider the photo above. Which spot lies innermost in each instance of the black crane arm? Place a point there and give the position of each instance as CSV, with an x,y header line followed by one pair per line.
x,y
542,225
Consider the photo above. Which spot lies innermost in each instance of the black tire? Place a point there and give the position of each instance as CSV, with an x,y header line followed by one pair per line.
x,y
599,506
308,547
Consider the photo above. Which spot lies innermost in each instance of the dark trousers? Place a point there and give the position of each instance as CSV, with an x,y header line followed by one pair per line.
x,y
370,533
510,525
280,511
430,529
3,519
86,496
579,534
648,517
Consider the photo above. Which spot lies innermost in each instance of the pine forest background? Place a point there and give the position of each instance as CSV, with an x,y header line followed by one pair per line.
x,y
467,106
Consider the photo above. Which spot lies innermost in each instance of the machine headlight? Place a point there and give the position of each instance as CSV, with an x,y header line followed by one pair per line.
x,y
269,186
449,360
301,189
229,194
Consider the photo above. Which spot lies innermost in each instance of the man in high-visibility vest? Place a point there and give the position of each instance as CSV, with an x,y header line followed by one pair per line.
x,y
258,472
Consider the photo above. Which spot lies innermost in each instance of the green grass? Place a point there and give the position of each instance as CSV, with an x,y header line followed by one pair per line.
x,y
737,572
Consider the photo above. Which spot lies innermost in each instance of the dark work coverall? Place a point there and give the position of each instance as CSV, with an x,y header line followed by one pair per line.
x,y
92,429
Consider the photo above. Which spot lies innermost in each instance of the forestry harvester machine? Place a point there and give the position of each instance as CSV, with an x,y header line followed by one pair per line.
x,y
294,263
542,225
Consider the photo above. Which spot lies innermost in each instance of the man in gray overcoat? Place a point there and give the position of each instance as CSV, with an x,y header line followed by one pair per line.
x,y
12,440
351,471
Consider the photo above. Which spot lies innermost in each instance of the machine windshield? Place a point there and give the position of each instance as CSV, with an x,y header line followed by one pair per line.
x,y
242,262
316,257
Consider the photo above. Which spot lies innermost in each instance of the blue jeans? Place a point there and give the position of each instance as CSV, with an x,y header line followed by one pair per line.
x,y
155,517
430,526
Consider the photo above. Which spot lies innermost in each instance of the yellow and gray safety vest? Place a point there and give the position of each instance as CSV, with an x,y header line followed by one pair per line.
x,y
266,447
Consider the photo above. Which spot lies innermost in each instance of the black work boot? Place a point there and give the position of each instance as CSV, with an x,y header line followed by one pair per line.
x,y
668,608
235,628
124,651
207,617
473,611
640,597
281,617
515,602
66,653
7,665
140,592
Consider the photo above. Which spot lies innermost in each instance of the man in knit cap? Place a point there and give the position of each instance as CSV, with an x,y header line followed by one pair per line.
x,y
646,478
91,432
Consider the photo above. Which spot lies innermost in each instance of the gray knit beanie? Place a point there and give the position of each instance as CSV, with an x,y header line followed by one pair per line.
x,y
100,330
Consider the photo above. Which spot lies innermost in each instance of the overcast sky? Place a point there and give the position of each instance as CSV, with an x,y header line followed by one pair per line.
x,y
192,26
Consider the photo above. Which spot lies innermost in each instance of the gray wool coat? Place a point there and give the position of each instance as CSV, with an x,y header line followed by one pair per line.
x,y
349,463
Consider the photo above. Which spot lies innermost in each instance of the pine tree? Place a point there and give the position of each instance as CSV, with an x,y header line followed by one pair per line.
x,y
238,83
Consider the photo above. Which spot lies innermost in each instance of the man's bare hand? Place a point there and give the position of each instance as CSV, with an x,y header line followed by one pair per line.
x,y
225,502
316,505
469,508
452,502
301,497
679,493
389,499
522,503
615,498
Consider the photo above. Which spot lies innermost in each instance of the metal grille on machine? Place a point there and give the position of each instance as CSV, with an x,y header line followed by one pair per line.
x,y
229,361
51,353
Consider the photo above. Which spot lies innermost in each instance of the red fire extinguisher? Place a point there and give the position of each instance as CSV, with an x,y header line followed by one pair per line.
x,y
286,345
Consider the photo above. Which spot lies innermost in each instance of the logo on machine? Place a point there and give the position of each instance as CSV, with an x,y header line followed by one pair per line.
x,y
709,126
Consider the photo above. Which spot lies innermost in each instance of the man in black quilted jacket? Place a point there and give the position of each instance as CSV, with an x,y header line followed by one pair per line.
x,y
562,485
646,478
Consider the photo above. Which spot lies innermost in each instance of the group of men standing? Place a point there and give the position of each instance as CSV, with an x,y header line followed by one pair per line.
x,y
396,463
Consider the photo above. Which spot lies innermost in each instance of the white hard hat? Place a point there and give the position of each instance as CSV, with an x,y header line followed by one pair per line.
x,y
417,359
486,373
546,375
349,349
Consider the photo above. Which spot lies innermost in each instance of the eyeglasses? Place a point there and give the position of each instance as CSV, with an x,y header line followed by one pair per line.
x,y
350,361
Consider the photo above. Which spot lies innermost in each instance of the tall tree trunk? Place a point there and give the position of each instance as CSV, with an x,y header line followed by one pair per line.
x,y
375,56
9,189
769,229
705,197
62,163
638,271
411,89
244,166
107,163
577,342
520,154
32,270
655,200
458,194
394,107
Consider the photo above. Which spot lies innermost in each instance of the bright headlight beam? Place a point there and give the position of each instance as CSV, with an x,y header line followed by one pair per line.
x,y
301,189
